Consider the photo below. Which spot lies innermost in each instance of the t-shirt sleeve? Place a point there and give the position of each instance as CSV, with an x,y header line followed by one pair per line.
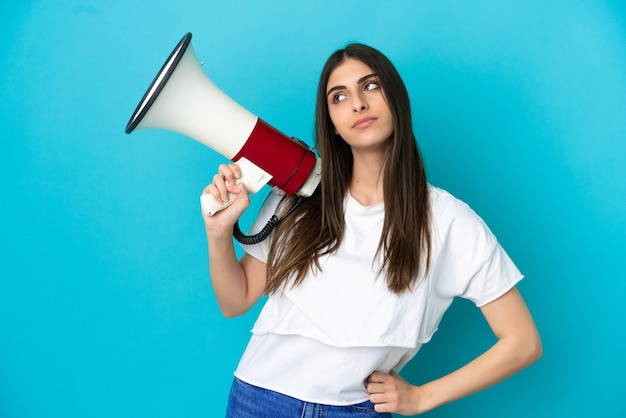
x,y
497,276
470,262
261,250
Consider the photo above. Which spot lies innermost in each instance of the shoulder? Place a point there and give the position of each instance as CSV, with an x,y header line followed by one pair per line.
x,y
453,219
443,201
447,208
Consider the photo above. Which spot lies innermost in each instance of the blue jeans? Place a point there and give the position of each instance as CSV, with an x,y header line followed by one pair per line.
x,y
247,401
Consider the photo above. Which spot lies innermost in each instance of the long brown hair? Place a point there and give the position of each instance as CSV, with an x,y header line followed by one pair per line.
x,y
316,227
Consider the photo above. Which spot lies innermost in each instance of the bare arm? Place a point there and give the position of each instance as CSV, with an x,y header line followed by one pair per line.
x,y
237,284
518,346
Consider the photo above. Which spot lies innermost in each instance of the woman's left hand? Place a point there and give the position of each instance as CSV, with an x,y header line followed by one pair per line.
x,y
391,393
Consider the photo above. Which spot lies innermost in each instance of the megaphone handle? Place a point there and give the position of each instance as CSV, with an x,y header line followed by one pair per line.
x,y
253,178
210,205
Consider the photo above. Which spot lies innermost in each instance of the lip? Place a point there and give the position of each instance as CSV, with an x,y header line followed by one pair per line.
x,y
363,122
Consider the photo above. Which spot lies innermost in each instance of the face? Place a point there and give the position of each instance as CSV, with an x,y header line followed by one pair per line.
x,y
357,106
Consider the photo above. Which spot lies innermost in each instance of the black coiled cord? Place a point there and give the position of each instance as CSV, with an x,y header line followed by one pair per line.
x,y
263,233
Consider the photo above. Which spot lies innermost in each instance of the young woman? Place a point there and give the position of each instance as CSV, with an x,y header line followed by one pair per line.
x,y
360,274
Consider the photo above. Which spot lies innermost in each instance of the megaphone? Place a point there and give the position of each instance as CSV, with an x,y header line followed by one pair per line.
x,y
183,99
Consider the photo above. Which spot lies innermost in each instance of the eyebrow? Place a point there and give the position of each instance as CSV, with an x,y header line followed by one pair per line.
x,y
359,81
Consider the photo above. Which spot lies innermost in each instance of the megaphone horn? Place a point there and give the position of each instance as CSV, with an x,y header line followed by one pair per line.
x,y
183,99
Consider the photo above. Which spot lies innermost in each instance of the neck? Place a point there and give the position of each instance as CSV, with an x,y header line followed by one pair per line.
x,y
366,184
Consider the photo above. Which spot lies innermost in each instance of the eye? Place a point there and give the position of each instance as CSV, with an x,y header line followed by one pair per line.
x,y
371,85
339,97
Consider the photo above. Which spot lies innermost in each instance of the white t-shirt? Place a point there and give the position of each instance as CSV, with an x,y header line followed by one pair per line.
x,y
319,341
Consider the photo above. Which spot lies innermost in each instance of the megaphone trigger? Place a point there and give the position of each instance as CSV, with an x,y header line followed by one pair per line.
x,y
253,179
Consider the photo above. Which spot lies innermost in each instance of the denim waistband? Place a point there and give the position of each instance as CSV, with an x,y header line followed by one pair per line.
x,y
249,401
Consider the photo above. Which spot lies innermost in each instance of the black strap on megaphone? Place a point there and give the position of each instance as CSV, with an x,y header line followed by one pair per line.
x,y
265,232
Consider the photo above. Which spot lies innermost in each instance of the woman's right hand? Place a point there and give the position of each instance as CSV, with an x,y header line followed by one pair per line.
x,y
225,183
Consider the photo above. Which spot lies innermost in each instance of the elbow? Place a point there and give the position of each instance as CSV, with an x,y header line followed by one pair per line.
x,y
229,314
537,351
232,312
532,350
523,350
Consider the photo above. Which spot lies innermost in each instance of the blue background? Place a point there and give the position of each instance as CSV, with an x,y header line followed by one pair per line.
x,y
106,309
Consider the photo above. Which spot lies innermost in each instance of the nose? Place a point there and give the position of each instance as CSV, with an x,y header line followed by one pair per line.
x,y
359,104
